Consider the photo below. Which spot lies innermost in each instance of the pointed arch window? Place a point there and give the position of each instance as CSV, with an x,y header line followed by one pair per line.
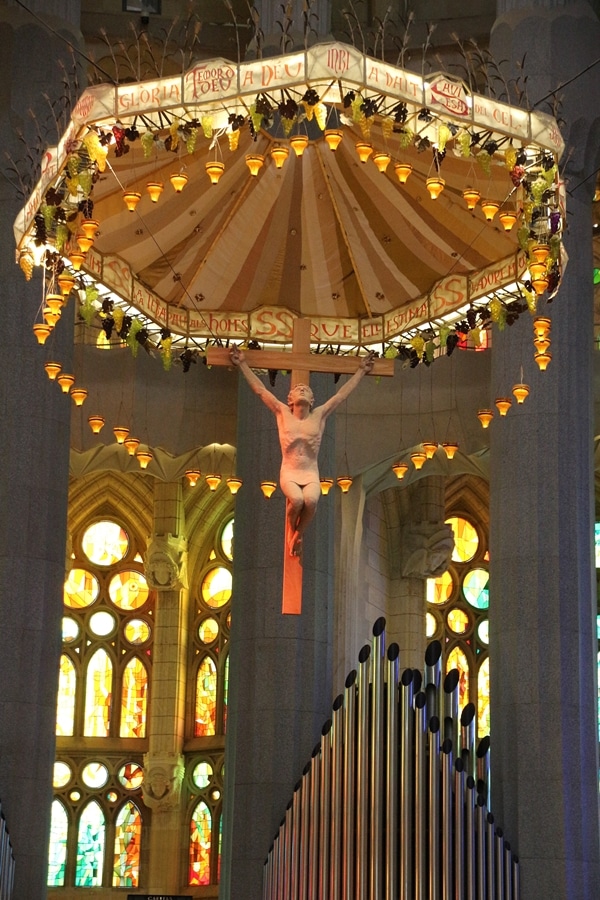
x,y
67,686
98,695
133,699
59,829
206,698
200,844
91,835
128,833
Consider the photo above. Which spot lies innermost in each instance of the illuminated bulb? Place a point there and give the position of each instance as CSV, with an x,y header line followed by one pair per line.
x,y
234,483
344,483
299,143
66,382
179,181
326,485
541,326
382,161
540,252
131,445
489,208
96,423
485,416
89,228
507,219
333,138
144,457
255,163
471,197
214,170
521,392
400,470
76,259
418,459
503,404
540,284
213,481
155,189
402,170
541,344
192,476
543,360
430,447
79,395
279,154
131,199
268,488
52,370
84,243
364,151
435,186
66,283
450,448
120,433
41,331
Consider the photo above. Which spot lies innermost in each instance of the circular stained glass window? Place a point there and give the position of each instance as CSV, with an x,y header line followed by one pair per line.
x,y
202,774
131,776
128,590
466,541
208,630
70,629
137,631
216,587
430,625
483,631
81,589
476,588
102,623
214,795
439,589
61,776
74,796
94,775
458,621
112,796
227,540
105,543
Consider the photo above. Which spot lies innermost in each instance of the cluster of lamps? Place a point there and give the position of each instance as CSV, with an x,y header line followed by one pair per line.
x,y
520,391
419,457
541,341
490,208
213,480
66,381
84,239
155,189
53,307
539,256
344,482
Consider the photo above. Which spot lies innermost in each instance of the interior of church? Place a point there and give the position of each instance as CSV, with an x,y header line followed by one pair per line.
x,y
309,182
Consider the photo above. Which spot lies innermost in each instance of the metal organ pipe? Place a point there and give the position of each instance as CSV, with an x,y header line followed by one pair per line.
x,y
391,773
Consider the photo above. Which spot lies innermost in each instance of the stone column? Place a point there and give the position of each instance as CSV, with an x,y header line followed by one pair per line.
x,y
280,678
34,457
166,571
542,608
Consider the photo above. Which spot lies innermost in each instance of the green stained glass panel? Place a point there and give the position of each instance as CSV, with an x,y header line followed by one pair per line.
x,y
57,857
90,846
202,775
476,588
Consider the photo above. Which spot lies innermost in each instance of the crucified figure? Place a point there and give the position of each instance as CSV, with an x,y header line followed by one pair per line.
x,y
300,430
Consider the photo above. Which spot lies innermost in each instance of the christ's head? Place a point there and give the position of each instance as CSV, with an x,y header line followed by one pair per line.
x,y
301,393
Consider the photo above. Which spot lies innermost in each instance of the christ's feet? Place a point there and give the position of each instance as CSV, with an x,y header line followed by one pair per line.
x,y
296,544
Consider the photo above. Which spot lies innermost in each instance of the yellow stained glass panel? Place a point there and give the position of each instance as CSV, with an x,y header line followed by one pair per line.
x,y
227,540
133,700
216,587
439,589
128,590
81,589
105,543
98,695
483,698
128,834
200,845
466,540
206,698
137,631
458,621
65,706
458,660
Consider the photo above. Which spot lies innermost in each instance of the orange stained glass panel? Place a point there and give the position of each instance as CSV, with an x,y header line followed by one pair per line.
x,y
439,589
200,845
128,834
466,540
458,621
98,695
81,589
458,660
65,705
206,698
128,590
105,543
133,699
483,698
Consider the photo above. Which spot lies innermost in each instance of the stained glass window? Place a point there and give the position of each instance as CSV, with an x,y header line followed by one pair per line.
x,y
94,775
105,543
439,590
202,774
483,698
458,621
128,832
200,845
206,698
62,774
457,660
57,857
90,846
225,692
102,623
208,630
133,699
216,587
81,589
476,588
227,539
98,695
128,590
137,631
65,706
131,776
466,541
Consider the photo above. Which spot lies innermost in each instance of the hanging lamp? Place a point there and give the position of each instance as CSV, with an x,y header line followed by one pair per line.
x,y
55,302
541,326
344,483
400,469
299,143
540,252
89,228
192,476
79,395
485,416
382,161
131,199
521,392
471,196
503,404
213,481
131,445
66,283
179,181
255,163
268,488
541,344
66,382
326,485
403,170
120,433
430,447
42,332
279,155
507,218
435,186
50,317
418,459
450,448
144,457
543,360
333,137
77,258
214,170
364,150
489,209
234,484
155,189
84,242
96,423
52,369
540,284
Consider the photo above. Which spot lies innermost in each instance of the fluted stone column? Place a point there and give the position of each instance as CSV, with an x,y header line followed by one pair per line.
x,y
280,674
543,604
34,458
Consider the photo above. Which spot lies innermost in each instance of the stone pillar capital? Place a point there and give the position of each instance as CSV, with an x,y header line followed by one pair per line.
x,y
163,777
426,549
166,562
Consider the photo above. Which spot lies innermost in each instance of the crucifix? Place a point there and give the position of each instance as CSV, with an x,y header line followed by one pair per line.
x,y
300,430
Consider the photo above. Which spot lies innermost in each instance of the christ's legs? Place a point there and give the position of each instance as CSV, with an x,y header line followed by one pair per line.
x,y
300,509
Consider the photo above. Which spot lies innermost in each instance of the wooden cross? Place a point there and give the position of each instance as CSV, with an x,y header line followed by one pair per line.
x,y
302,362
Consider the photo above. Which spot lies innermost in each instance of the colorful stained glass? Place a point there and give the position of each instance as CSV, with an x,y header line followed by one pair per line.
x,y
98,695
466,540
440,589
128,834
483,631
458,621
483,698
90,846
102,623
216,587
131,776
431,625
70,630
81,589
208,630
112,796
225,693
206,698
458,660
202,774
200,845
137,631
65,704
57,856
128,590
61,775
94,775
476,588
133,699
227,539
105,543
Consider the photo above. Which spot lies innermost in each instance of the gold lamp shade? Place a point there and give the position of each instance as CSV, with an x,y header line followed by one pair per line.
x,y
120,433
89,228
364,151
213,482
537,270
508,218
382,161
131,445
541,344
344,482
144,457
541,326
77,258
55,303
540,252
268,488
51,317
42,332
400,469
543,360
131,199
540,284
299,143
521,392
66,283
489,208
233,482
214,170
471,196
179,181
192,476
503,404
79,395
326,485
52,370
435,186
96,423
84,242
333,138
66,382
155,189
430,447
403,170
279,155
418,459
485,416
255,163
450,448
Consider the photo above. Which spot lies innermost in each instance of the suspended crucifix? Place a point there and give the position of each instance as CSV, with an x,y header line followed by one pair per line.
x,y
300,430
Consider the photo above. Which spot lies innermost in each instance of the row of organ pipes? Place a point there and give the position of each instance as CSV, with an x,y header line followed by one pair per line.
x,y
393,804
7,861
